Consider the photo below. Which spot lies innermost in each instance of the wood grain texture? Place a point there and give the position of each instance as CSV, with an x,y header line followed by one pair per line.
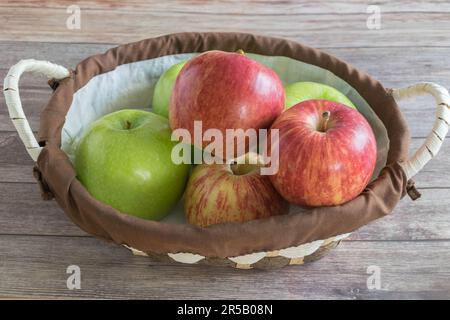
x,y
36,266
237,7
317,24
411,246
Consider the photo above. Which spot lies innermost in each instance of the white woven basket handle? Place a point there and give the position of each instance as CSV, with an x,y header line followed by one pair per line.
x,y
12,98
434,140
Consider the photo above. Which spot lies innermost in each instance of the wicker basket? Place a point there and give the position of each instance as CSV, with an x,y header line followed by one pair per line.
x,y
192,245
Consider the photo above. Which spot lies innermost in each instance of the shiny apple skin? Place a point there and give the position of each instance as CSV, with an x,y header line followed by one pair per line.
x,y
225,90
214,194
323,168
131,168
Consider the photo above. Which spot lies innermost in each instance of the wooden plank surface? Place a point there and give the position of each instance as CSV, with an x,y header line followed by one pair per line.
x,y
36,266
411,246
237,7
317,24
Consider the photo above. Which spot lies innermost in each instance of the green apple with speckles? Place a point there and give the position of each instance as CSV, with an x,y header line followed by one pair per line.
x,y
300,91
124,160
163,89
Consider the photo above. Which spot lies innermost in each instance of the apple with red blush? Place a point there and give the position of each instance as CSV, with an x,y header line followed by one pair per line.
x,y
225,90
326,153
231,192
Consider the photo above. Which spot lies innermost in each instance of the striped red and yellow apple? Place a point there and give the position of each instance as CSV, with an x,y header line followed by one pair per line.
x,y
218,193
327,153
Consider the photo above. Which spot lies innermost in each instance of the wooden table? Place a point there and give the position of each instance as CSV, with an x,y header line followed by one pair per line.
x,y
411,247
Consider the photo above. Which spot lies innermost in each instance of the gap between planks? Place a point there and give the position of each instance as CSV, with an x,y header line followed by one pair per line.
x,y
21,235
320,47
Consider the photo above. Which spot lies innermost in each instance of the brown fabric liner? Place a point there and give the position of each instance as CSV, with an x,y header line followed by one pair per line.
x,y
231,239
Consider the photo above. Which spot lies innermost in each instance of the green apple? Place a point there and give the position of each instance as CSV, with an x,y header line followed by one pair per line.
x,y
301,91
124,160
163,89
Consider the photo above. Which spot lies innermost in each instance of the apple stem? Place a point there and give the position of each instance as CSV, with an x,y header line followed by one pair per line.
x,y
325,118
127,125
240,51
243,169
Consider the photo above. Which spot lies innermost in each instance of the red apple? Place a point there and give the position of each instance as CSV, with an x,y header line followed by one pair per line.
x,y
218,193
327,153
225,90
